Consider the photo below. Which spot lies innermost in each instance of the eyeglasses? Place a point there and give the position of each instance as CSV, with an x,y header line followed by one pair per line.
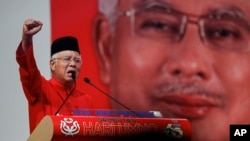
x,y
68,59
222,29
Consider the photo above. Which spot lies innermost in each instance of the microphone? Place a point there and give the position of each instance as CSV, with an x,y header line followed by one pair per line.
x,y
87,80
73,75
71,92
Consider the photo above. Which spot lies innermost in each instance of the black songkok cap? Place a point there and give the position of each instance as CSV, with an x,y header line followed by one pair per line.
x,y
64,43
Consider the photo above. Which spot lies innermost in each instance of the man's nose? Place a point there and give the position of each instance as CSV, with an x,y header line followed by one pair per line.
x,y
190,59
72,62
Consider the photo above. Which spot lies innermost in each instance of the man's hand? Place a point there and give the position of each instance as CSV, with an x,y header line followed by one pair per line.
x,y
30,28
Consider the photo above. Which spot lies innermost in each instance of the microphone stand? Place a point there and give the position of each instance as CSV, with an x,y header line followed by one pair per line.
x,y
89,82
66,99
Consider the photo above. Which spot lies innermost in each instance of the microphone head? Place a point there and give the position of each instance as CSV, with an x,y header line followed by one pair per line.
x,y
73,75
86,80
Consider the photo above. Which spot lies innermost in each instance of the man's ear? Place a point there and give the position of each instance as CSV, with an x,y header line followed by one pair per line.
x,y
52,65
103,46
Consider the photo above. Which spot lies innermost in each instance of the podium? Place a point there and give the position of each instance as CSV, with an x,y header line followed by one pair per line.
x,y
105,128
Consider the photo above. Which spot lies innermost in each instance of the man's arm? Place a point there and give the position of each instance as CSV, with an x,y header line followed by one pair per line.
x,y
29,74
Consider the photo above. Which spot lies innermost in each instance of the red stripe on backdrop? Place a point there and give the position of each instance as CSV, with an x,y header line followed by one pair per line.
x,y
75,17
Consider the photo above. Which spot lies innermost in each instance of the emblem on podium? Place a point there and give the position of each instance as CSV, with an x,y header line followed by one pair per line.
x,y
69,127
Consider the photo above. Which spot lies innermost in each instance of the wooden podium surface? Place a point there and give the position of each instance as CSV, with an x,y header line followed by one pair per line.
x,y
102,128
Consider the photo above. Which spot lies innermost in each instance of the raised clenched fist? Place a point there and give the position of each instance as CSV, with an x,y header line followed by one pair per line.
x,y
30,28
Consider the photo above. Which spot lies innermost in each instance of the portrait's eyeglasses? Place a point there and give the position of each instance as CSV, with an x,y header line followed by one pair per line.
x,y
223,29
68,59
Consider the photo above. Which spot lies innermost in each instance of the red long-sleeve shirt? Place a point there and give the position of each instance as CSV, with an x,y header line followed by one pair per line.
x,y
45,96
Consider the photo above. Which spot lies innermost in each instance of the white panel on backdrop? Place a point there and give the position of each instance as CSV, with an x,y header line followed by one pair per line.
x,y
14,124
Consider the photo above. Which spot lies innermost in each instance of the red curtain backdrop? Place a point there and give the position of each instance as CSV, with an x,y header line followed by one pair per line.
x,y
75,17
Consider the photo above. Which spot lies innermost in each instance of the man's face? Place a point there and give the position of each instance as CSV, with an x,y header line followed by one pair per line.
x,y
200,71
64,65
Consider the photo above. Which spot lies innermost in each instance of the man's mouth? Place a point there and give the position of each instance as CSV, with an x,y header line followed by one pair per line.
x,y
71,73
190,100
190,106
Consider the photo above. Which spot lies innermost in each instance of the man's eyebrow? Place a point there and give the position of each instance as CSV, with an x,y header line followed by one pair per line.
x,y
152,4
232,11
219,10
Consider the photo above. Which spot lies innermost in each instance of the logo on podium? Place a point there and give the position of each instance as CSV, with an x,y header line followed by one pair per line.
x,y
69,127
